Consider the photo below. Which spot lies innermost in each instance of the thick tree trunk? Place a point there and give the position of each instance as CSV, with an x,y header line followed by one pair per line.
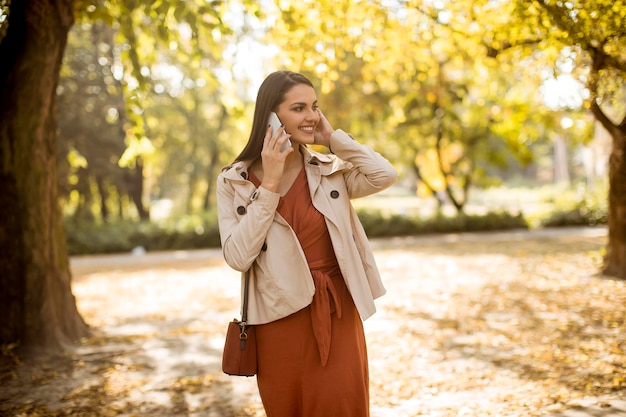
x,y
615,259
37,307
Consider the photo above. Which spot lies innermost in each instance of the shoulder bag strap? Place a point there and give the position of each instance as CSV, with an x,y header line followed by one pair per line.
x,y
244,309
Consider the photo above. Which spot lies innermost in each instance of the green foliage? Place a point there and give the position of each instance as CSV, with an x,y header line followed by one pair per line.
x,y
91,122
458,100
558,205
398,225
190,232
589,211
437,102
201,230
148,84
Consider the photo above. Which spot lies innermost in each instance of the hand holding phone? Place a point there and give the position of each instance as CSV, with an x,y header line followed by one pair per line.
x,y
275,122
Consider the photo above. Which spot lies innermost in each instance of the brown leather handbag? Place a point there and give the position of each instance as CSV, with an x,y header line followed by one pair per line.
x,y
239,356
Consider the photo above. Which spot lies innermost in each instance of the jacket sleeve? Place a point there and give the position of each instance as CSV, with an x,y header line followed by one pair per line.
x,y
243,222
369,171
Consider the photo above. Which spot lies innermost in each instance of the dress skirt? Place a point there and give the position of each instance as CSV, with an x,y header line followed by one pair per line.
x,y
313,363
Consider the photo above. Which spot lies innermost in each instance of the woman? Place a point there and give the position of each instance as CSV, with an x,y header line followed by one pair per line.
x,y
286,217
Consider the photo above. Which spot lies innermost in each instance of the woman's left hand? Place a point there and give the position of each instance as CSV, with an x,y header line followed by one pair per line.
x,y
323,131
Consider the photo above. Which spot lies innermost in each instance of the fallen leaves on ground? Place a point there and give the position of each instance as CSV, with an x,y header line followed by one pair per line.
x,y
472,325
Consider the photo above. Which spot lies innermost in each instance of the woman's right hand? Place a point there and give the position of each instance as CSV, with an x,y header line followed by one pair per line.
x,y
273,160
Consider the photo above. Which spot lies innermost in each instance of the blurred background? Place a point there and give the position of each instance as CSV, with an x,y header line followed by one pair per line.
x,y
483,106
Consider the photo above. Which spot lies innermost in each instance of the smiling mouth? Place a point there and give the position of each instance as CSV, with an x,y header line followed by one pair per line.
x,y
307,129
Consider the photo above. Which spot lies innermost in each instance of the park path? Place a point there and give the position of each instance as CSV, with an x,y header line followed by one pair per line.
x,y
479,324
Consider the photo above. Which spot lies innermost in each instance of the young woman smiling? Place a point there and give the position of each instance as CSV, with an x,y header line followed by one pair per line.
x,y
286,217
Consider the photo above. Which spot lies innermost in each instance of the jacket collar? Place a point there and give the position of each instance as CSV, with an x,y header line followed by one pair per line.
x,y
237,172
318,165
327,163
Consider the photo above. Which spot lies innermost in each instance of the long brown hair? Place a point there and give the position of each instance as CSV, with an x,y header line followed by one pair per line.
x,y
271,94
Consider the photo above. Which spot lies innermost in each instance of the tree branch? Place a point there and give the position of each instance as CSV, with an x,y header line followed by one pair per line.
x,y
561,18
494,52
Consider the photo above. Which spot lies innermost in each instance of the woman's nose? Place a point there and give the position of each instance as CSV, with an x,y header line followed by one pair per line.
x,y
312,114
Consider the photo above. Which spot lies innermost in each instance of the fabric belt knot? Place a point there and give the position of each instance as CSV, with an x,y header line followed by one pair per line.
x,y
326,301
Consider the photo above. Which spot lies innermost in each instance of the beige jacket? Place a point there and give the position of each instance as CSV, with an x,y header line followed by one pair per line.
x,y
255,236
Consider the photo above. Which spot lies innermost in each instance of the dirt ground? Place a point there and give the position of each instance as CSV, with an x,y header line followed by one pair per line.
x,y
498,324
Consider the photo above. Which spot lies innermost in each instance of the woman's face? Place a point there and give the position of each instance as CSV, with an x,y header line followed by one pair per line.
x,y
298,113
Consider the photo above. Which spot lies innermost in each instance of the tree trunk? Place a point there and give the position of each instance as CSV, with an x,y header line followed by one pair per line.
x,y
436,194
211,177
215,159
104,198
135,189
37,307
615,259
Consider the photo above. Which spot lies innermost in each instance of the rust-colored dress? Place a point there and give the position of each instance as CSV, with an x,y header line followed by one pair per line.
x,y
313,363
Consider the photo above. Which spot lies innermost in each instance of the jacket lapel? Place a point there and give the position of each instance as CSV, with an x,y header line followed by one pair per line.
x,y
317,166
322,164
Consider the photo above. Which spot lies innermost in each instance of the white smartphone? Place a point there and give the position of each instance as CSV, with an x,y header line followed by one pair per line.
x,y
275,122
